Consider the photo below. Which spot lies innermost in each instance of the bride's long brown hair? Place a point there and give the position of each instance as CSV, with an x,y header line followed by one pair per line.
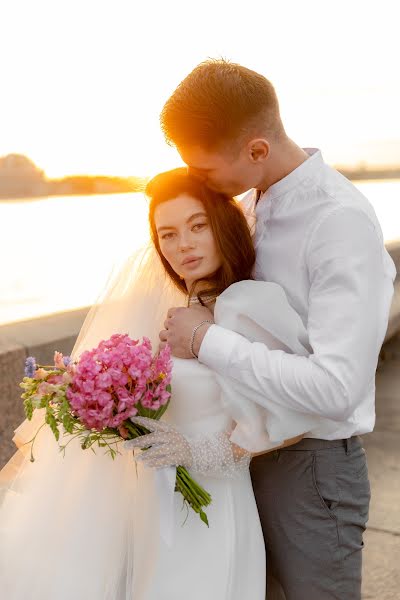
x,y
228,224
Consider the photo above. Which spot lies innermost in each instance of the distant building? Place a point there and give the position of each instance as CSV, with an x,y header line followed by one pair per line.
x,y
20,177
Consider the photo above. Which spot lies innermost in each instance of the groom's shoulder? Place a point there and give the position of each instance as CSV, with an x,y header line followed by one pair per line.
x,y
335,192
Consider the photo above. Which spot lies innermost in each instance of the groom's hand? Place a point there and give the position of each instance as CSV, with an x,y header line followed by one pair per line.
x,y
179,326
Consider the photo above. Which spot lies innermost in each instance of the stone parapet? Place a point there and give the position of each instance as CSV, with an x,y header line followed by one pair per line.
x,y
39,338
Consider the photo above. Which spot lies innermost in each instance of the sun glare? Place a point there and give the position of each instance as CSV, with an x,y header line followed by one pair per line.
x,y
86,81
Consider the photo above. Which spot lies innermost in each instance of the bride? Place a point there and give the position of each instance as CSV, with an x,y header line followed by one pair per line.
x,y
85,527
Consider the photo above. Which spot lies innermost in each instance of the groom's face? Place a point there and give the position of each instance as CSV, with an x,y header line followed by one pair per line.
x,y
232,174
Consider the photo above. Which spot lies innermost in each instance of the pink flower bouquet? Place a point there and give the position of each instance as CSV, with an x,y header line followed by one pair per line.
x,y
94,399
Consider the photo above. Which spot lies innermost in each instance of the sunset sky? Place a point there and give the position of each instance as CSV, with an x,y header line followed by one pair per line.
x,y
83,81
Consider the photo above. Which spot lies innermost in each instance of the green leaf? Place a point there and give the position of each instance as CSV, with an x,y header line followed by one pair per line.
x,y
86,443
28,407
203,517
68,423
151,414
51,420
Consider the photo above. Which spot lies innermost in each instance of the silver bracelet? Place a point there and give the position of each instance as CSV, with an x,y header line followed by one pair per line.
x,y
194,333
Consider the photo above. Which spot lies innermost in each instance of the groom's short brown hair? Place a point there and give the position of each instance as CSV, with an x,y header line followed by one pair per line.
x,y
220,102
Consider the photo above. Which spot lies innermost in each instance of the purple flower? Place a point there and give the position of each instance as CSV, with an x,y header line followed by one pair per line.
x,y
30,366
66,360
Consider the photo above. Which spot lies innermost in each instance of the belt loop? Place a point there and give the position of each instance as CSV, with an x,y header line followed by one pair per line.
x,y
347,444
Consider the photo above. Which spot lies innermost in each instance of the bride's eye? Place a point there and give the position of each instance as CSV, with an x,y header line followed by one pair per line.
x,y
167,236
199,226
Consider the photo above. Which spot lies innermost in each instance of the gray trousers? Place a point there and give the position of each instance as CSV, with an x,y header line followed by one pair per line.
x,y
313,500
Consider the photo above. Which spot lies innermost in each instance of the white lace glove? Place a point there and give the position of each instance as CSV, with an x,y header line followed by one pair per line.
x,y
212,454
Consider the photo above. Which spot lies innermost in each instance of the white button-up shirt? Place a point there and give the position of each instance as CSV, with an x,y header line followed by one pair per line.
x,y
318,237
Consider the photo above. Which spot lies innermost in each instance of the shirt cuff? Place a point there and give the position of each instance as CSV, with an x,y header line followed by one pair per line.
x,y
217,347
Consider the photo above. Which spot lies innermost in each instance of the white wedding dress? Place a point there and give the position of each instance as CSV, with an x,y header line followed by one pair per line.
x,y
84,527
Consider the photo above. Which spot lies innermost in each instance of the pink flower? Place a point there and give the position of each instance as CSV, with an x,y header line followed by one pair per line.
x,y
109,381
40,374
88,386
104,380
55,379
43,388
58,360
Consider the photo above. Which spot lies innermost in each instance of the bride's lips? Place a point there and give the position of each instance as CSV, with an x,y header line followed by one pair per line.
x,y
191,261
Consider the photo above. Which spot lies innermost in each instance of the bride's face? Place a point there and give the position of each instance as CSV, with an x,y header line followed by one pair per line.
x,y
186,238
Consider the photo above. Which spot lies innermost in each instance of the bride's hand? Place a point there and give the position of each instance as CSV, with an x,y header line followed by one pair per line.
x,y
209,454
179,326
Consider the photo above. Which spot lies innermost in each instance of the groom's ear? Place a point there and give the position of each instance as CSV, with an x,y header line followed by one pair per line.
x,y
258,149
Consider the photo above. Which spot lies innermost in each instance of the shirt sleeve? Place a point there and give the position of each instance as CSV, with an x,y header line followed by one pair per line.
x,y
349,302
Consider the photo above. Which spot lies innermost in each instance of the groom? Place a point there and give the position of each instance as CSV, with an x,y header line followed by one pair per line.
x,y
317,237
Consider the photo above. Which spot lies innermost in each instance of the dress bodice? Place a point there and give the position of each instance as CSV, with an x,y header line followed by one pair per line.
x,y
196,406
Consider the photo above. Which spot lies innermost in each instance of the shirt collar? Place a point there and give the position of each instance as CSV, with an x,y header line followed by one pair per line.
x,y
307,169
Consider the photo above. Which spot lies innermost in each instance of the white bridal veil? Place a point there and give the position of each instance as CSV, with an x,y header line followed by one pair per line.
x,y
67,523
135,300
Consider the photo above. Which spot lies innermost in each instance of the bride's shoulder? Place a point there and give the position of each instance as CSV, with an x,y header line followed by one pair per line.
x,y
251,298
259,310
249,289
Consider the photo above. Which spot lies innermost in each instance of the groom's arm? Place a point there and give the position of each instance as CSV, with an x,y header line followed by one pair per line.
x,y
349,303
